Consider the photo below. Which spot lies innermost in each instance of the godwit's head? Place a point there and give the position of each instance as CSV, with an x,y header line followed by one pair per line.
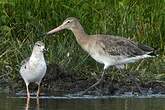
x,y
39,47
70,23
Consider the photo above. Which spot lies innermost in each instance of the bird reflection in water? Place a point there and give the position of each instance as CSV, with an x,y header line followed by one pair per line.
x,y
37,107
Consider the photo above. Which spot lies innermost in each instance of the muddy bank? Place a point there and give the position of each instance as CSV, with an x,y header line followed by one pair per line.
x,y
58,80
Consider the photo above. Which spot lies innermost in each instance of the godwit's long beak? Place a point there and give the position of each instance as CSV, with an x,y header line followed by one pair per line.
x,y
59,28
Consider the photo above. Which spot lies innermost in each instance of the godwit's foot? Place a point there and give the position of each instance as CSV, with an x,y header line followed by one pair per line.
x,y
94,85
133,79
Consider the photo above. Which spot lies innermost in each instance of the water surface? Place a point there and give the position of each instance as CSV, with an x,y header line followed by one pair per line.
x,y
80,103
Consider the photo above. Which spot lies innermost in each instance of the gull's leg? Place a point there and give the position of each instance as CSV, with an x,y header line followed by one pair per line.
x,y
38,104
27,104
38,91
27,89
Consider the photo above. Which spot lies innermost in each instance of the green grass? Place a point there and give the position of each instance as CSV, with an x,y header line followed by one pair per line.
x,y
22,22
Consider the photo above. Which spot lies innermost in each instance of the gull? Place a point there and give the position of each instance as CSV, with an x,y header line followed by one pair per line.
x,y
33,68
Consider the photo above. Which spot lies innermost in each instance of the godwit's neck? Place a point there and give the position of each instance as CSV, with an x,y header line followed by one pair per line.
x,y
81,36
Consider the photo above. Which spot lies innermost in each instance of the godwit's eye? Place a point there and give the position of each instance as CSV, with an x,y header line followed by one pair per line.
x,y
68,21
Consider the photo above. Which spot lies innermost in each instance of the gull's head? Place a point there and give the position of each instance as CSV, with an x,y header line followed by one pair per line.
x,y
70,24
39,46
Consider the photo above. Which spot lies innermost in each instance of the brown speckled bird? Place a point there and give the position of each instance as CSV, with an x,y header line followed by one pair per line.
x,y
109,50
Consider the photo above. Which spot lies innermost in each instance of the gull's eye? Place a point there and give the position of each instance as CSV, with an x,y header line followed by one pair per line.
x,y
38,45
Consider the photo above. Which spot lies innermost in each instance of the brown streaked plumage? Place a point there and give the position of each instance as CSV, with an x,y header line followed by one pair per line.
x,y
106,49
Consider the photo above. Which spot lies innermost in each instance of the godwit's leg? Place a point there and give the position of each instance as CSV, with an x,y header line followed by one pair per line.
x,y
38,91
95,84
27,89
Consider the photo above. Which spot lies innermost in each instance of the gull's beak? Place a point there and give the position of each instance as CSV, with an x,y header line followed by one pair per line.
x,y
59,28
45,50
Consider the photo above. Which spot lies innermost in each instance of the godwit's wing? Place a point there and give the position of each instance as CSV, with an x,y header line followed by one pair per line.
x,y
118,46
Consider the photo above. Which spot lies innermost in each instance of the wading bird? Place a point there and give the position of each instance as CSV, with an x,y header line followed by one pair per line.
x,y
109,50
33,68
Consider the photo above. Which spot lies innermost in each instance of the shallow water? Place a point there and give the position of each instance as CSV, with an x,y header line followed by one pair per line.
x,y
82,103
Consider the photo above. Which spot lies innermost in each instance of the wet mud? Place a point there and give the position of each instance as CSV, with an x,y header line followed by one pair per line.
x,y
60,81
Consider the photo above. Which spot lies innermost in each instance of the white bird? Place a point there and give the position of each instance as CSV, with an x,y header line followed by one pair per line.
x,y
33,68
